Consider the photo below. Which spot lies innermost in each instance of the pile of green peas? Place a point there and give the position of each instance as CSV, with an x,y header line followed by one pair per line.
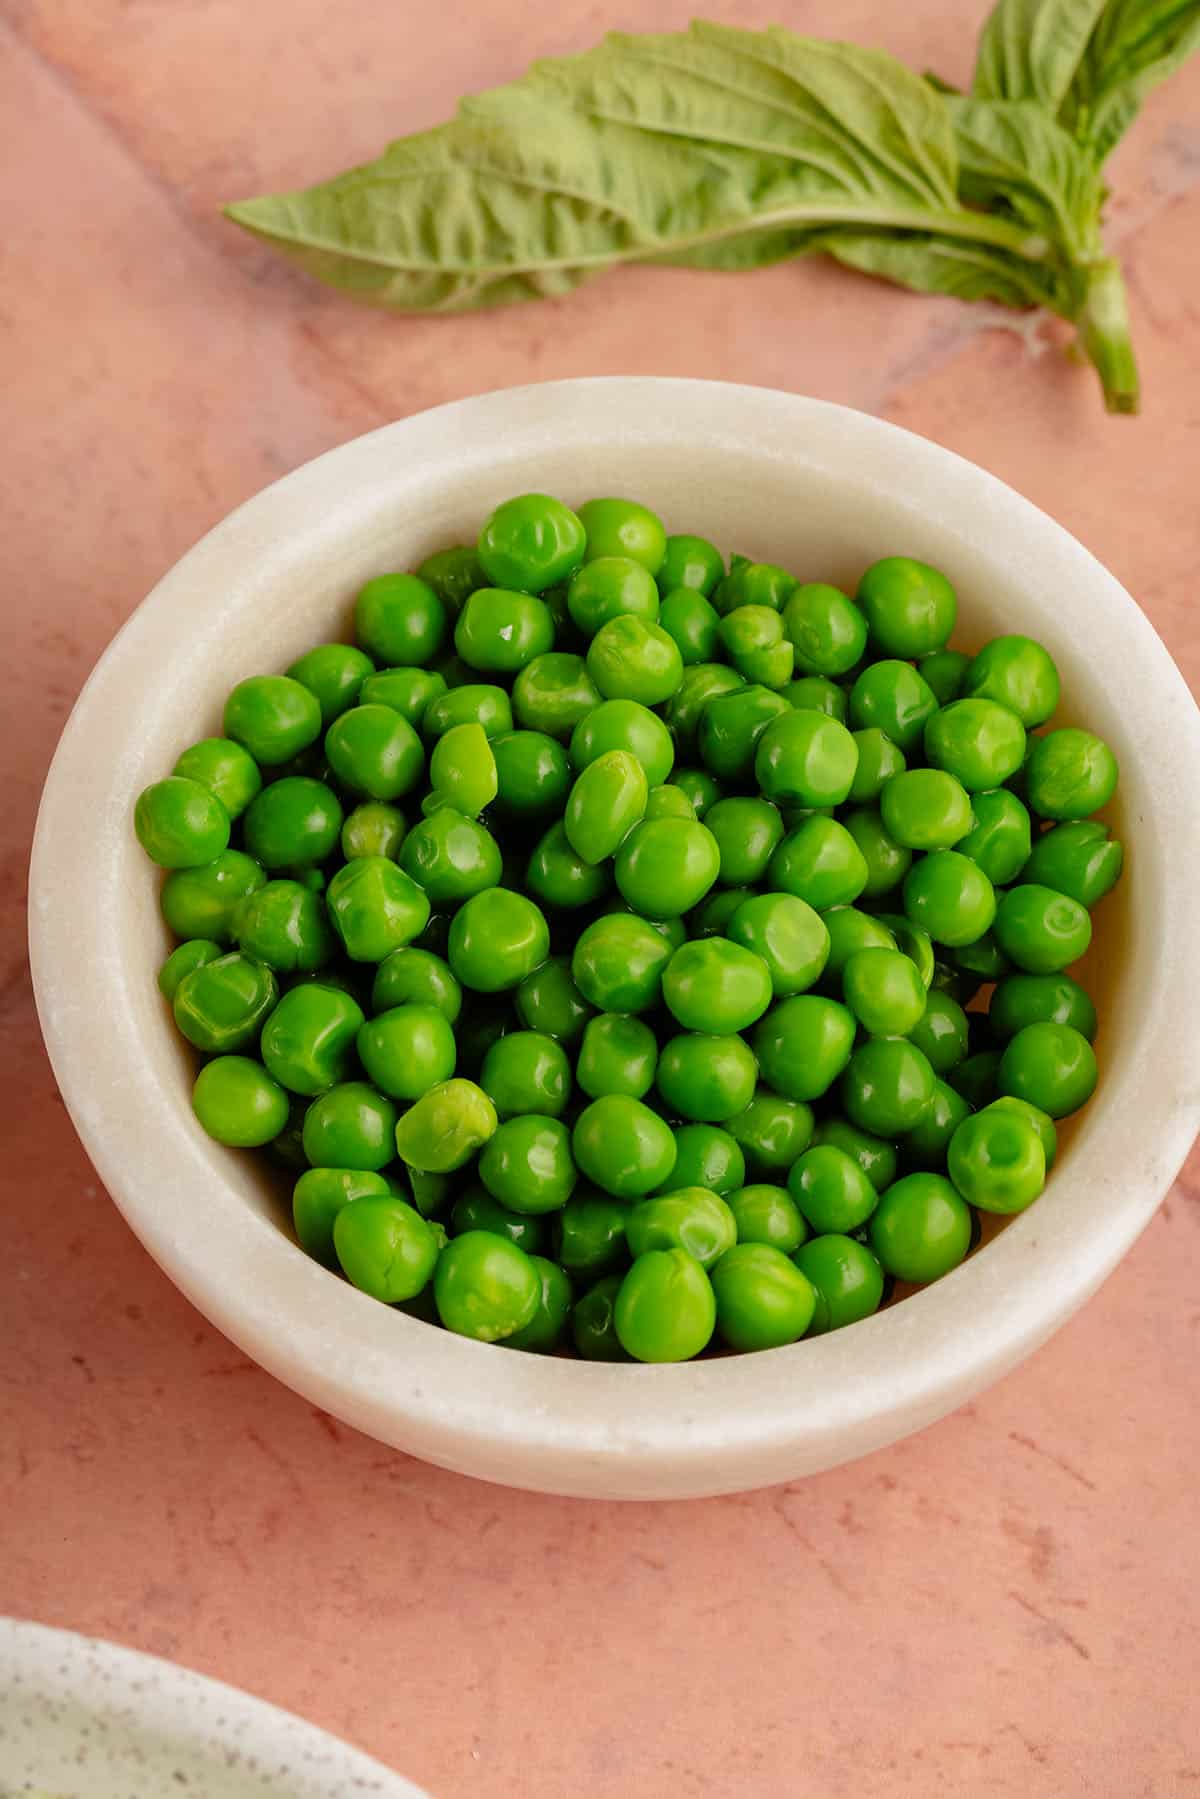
x,y
630,952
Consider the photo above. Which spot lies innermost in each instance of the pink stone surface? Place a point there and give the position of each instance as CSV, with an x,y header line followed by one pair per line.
x,y
1004,1605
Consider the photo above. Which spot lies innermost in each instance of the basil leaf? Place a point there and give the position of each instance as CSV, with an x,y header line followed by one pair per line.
x,y
1136,44
1013,156
1032,49
945,266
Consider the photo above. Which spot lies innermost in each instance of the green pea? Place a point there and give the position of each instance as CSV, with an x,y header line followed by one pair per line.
x,y
846,1279
730,727
894,698
716,985
531,542
691,563
878,761
407,1050
708,1078
707,1156
763,1300
238,1103
558,875
623,1147
524,1072
308,1041
485,1286
803,1044
180,824
753,584
500,630
668,801
470,703
926,809
753,640
686,616
1041,1121
665,1310
205,902
476,1210
999,840
665,866
887,861
1022,999
607,800
526,1164
1070,774
849,931
623,528
496,939
385,1247
546,1328
1041,930
984,958
592,1324
887,1086
806,758
941,1032
747,831
949,896
293,822
980,743
765,1214
690,1218
375,908
1052,1066
787,935
945,671
198,952
921,1228
333,672
702,682
408,691
911,608
549,1001
885,992
463,769
624,725
827,629
553,693
453,573
411,976
1018,673
399,620
772,1131
273,717
374,751
317,1198
976,1077
373,829
926,1145
285,926
816,693
350,1125
831,1189
997,1162
632,659
609,587
220,1006
618,1054
875,1157
533,775
228,771
820,863
1077,858
445,1127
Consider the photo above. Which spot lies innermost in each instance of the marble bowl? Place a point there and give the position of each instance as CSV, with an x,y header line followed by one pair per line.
x,y
824,491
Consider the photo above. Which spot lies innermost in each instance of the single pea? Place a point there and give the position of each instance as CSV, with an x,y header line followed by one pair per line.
x,y
532,773
1052,1066
293,822
618,1054
999,840
686,616
817,693
926,1145
228,771
715,985
631,659
803,1044
827,629
500,630
707,1156
666,865
668,801
850,931
220,1006
197,952
1077,858
373,829
702,682
979,742
1041,1121
820,863
911,608
526,1071
976,1078
691,563
787,935
753,640
558,876
407,1050
408,691
547,1327
763,1299
753,584
887,1086
385,1247
530,542
1022,999
748,831
945,672
665,1310
690,1218
476,1210
549,1001
485,1286
712,917
445,1127
1070,774
496,939
375,908
453,573
399,620
205,902
619,961
317,1198
1018,673
526,1164
949,896
463,768
593,1329
273,717
607,800
589,1234
610,587
884,991
308,1041
772,1131
941,1032
806,758
846,1279
553,693
471,703
926,809
996,1161
374,751
831,1189
731,726
921,1228
894,698
238,1103
1041,930
623,528
623,1147
350,1126
875,1157
887,861
180,824
766,1214
334,672
705,1077
285,926
411,976
624,725
878,761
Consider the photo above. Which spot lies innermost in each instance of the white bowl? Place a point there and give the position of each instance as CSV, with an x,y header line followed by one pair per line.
x,y
824,491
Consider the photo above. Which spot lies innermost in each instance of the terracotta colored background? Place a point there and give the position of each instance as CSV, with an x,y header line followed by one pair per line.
x,y
1000,1606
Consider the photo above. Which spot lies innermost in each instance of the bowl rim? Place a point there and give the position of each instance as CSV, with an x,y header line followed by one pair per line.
x,y
460,1400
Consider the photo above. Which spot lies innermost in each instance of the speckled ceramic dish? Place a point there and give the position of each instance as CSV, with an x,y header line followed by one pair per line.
x,y
824,491
84,1719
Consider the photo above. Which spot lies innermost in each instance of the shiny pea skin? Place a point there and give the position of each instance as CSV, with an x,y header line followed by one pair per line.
x,y
206,902
285,925
624,725
715,985
399,620
803,1044
220,1006
373,829
307,1042
1077,858
846,1279
592,1324
763,1300
228,771
411,976
237,1102
1021,999
527,1165
334,672
526,1071
608,798
767,1214
546,1328
470,703
887,1086
385,1247
553,693
875,1156
530,542
787,934
496,939
707,1156
1041,930
318,1197
687,617
921,1228
879,759
831,1190
486,1287
183,960
445,1127
690,1218
180,824
375,908
558,876
1071,773
500,630
1000,838
820,863
665,1310
772,1131
826,628
618,1054
623,1147
706,1077
690,563
409,691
